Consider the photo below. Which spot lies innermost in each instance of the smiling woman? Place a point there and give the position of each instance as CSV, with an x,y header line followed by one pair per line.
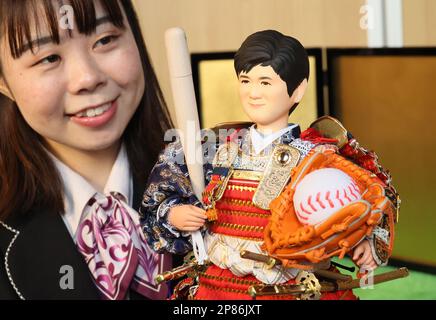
x,y
82,119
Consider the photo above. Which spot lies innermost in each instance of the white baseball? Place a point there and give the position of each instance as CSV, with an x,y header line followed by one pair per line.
x,y
323,192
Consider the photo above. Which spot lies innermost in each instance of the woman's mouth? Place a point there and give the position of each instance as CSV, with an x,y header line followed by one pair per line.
x,y
94,112
96,116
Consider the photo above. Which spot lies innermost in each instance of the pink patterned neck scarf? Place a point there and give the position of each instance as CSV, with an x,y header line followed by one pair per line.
x,y
115,250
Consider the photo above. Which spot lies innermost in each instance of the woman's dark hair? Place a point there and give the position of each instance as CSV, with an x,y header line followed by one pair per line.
x,y
28,177
286,55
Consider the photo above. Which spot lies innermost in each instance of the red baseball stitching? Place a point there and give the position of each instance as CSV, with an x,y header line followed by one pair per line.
x,y
301,217
318,195
339,199
310,204
304,210
352,193
346,195
355,187
327,197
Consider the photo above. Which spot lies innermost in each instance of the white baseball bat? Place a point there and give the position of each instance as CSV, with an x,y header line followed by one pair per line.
x,y
182,86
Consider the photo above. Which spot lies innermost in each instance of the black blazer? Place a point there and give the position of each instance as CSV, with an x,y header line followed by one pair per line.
x,y
37,246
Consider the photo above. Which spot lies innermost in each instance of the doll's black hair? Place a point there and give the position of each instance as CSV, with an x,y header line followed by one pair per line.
x,y
286,55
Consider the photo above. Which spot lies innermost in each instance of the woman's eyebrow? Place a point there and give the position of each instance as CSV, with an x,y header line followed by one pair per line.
x,y
39,42
36,43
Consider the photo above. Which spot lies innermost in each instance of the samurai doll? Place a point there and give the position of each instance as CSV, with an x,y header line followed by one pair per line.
x,y
279,202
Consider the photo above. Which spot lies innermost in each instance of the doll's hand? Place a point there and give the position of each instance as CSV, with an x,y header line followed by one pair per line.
x,y
362,256
187,217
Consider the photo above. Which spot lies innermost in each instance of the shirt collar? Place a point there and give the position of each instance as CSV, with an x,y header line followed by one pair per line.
x,y
260,141
78,191
120,179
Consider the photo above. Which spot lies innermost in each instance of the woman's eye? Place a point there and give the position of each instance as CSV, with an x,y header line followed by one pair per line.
x,y
105,41
244,81
264,83
50,59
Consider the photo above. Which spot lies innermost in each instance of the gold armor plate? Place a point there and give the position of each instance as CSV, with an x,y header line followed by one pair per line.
x,y
247,175
276,176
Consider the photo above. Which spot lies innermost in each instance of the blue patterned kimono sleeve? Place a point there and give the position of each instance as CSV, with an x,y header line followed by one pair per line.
x,y
168,186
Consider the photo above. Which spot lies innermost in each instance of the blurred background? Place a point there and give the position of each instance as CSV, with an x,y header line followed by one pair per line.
x,y
373,66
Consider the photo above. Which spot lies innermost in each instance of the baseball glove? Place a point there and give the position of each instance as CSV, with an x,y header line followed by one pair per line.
x,y
295,244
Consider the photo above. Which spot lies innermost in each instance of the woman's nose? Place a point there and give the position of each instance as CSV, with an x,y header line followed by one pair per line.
x,y
85,75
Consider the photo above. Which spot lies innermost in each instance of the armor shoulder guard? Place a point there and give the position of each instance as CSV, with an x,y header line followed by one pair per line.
x,y
331,128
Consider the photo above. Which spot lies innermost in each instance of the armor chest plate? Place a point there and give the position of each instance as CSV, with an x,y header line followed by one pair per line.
x,y
236,214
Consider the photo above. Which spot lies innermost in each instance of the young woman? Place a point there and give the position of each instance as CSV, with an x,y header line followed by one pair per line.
x,y
82,119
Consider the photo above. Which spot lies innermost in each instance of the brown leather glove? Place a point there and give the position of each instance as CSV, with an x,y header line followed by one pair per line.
x,y
296,244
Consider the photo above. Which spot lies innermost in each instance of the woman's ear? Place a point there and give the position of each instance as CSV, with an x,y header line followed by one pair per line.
x,y
299,92
4,89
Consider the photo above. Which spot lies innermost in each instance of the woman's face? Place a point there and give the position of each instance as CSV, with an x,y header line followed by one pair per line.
x,y
82,93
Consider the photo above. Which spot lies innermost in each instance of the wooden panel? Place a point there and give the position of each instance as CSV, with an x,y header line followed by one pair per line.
x,y
222,25
419,18
388,104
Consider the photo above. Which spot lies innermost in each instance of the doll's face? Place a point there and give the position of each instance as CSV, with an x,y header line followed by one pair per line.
x,y
265,98
82,93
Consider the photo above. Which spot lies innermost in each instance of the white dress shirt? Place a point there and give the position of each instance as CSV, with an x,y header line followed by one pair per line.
x,y
260,141
78,191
